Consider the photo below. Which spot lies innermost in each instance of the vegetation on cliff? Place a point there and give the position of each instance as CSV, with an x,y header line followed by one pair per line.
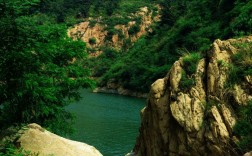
x,y
212,112
240,69
243,128
41,69
186,26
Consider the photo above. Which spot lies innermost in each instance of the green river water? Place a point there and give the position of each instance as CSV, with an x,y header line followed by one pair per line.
x,y
106,121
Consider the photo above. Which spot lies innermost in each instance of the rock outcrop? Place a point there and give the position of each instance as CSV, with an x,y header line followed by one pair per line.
x,y
40,141
97,31
248,154
197,121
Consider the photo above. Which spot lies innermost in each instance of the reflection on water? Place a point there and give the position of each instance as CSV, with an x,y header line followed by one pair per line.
x,y
108,122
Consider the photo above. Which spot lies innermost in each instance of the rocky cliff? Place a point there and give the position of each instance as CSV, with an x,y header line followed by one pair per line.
x,y
41,142
96,29
197,120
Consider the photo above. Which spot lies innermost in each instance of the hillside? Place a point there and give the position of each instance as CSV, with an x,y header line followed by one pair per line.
x,y
50,49
141,39
116,31
185,27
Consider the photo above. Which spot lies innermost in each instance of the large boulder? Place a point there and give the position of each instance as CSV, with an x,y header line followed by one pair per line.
x,y
38,140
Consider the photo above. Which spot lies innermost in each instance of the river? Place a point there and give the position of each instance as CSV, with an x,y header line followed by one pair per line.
x,y
106,121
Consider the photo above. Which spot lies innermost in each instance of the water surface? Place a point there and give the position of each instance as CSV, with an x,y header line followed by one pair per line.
x,y
108,122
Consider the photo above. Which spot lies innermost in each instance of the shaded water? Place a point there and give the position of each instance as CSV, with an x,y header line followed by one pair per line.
x,y
108,122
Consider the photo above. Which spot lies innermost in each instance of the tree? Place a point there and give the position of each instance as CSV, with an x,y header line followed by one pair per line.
x,y
41,69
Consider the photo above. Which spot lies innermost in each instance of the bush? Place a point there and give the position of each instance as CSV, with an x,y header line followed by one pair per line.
x,y
92,23
243,128
111,31
92,41
185,82
190,63
8,147
241,65
134,29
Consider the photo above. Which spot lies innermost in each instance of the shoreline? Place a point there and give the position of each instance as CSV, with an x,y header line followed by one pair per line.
x,y
120,91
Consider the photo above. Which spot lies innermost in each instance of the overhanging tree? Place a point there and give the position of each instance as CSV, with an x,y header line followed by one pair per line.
x,y
40,68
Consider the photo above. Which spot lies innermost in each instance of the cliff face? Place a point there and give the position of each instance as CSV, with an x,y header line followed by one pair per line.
x,y
197,121
87,30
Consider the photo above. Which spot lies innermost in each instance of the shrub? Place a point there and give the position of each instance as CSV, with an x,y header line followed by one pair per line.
x,y
134,29
92,23
190,62
241,65
243,128
92,41
111,31
186,82
113,21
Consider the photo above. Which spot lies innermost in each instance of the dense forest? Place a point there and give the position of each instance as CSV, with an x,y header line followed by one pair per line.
x,y
41,68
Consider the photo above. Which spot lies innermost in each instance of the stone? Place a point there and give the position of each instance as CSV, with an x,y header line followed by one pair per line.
x,y
38,140
198,121
248,154
85,31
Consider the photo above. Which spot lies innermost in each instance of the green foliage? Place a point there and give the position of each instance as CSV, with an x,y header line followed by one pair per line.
x,y
139,67
92,23
111,31
244,55
241,65
190,62
186,82
243,128
184,25
210,104
103,62
131,6
7,148
103,7
92,40
116,20
242,23
134,29
37,71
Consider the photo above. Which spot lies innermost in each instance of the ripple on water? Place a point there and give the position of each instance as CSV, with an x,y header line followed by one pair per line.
x,y
108,122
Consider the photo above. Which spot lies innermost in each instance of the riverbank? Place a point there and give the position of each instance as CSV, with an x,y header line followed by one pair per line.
x,y
120,91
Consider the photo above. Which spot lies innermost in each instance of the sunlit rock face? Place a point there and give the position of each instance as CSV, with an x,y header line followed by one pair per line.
x,y
38,140
197,121
86,30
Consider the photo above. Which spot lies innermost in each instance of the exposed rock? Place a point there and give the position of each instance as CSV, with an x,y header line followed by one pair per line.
x,y
130,154
38,140
198,121
85,31
248,154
